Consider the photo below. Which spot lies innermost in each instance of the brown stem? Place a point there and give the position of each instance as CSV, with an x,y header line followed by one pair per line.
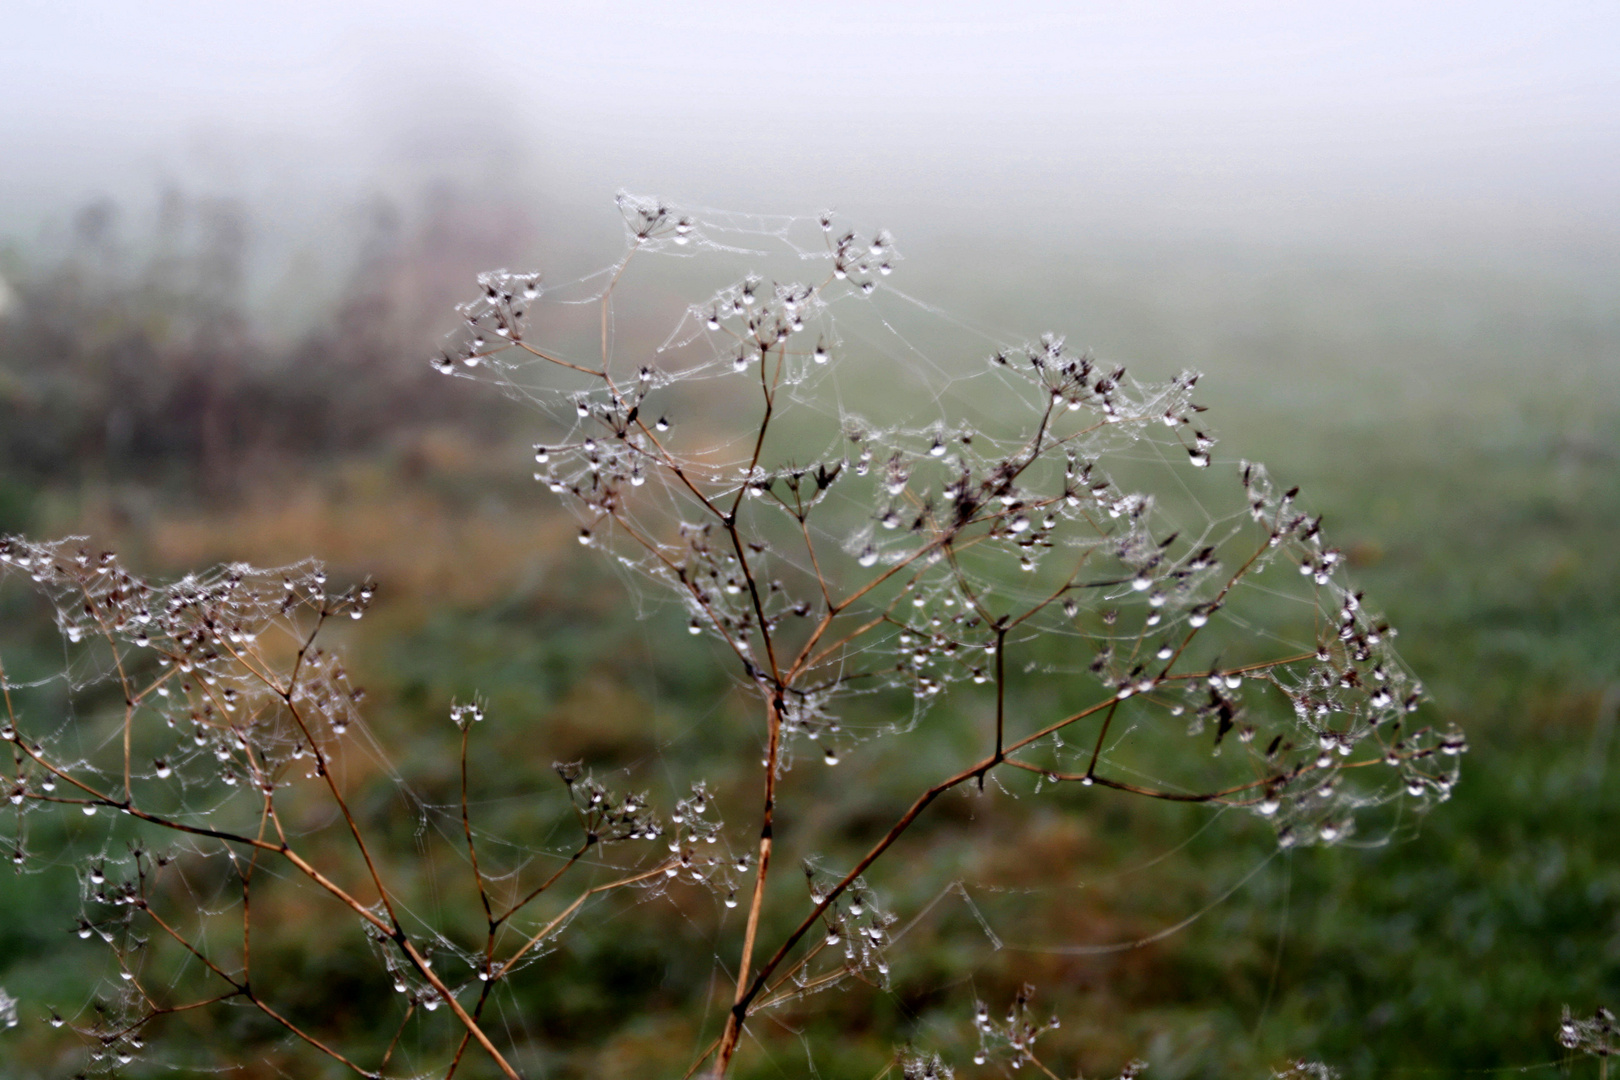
x,y
546,930
449,998
543,886
739,1007
410,1010
1102,733
466,827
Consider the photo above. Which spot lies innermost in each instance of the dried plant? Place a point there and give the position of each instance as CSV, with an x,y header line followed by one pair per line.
x,y
962,538
1306,1070
1597,1036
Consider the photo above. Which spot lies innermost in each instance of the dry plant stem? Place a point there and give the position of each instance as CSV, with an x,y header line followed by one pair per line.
x,y
466,825
1102,733
543,886
1001,695
392,930
449,997
1000,756
749,990
545,931
698,1064
478,1009
492,922
815,564
652,549
466,1039
1261,665
1231,582
243,988
394,933
123,683
797,966
388,1055
322,767
168,1010
247,905
1035,1061
945,563
729,521
807,658
473,1030
739,1007
773,722
810,986
532,351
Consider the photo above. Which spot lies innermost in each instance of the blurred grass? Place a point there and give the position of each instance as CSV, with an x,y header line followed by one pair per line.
x,y
1464,443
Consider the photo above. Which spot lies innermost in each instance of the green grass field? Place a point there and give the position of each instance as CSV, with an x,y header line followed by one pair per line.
x,y
1461,433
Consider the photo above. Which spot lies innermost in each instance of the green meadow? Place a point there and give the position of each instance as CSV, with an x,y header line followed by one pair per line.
x,y
1455,417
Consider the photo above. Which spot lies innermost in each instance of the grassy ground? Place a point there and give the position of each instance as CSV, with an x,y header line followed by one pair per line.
x,y
1485,524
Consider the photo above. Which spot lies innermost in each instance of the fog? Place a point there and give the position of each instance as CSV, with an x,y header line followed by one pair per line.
x,y
1385,234
1491,126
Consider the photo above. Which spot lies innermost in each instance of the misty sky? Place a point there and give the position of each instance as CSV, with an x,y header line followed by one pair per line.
x,y
1461,116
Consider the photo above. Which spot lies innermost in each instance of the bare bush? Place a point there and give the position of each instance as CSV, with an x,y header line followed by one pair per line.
x,y
1043,522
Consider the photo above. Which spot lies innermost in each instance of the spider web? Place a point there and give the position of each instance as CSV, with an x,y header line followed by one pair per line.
x,y
883,517
1101,506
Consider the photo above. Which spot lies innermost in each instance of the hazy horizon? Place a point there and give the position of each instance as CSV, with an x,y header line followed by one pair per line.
x,y
1492,126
